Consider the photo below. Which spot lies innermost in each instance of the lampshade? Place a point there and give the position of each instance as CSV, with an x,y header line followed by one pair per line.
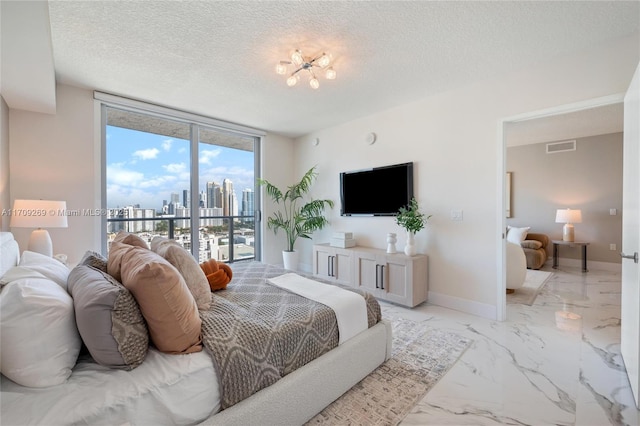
x,y
39,214
568,216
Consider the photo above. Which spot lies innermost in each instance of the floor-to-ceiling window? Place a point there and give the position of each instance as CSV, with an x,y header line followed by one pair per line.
x,y
163,174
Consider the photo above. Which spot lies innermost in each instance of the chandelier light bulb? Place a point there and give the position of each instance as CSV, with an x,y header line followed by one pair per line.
x,y
330,74
281,68
324,60
298,65
296,57
292,80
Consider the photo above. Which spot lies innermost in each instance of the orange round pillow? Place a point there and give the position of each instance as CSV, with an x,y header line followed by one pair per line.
x,y
218,274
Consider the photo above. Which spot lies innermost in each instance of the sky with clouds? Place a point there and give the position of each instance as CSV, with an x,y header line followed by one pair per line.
x,y
145,168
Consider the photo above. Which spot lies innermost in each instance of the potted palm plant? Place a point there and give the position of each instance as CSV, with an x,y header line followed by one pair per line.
x,y
412,220
297,218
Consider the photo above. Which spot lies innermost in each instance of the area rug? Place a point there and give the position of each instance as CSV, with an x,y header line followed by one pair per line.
x,y
533,283
421,356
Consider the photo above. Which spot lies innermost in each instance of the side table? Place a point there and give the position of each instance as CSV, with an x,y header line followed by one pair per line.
x,y
582,244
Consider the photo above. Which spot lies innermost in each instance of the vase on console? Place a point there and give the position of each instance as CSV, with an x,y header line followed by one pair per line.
x,y
410,248
412,220
391,242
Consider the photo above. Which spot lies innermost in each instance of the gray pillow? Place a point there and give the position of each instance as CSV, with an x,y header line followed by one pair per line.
x,y
108,318
92,258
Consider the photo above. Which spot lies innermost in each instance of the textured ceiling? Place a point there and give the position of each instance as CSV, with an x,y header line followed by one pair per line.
x,y
217,58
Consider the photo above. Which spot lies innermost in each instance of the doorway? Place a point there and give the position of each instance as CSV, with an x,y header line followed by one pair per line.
x,y
601,115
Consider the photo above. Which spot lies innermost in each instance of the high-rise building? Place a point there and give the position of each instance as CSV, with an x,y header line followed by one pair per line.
x,y
186,198
247,202
175,203
227,197
234,204
213,197
182,212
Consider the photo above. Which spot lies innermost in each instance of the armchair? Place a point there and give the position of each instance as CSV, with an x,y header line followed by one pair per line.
x,y
536,248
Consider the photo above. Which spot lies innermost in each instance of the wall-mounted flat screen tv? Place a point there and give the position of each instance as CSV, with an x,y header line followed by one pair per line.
x,y
379,191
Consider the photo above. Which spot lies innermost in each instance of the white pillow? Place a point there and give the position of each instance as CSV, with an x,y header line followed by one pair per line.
x,y
47,266
39,340
517,235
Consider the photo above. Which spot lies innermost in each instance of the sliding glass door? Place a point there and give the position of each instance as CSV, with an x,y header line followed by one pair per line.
x,y
164,175
227,181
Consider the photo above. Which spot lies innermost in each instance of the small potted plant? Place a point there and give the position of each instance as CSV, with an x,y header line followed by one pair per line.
x,y
298,218
412,220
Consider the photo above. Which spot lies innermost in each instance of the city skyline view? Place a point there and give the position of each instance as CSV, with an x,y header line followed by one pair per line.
x,y
145,168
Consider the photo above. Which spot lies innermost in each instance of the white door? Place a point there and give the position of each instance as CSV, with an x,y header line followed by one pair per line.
x,y
630,328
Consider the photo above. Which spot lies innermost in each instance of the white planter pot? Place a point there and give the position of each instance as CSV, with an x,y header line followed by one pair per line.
x,y
290,259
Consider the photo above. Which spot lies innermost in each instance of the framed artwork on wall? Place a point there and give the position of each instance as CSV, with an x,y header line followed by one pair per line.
x,y
508,194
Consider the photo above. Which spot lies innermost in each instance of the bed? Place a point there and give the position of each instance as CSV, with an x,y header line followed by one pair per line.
x,y
185,389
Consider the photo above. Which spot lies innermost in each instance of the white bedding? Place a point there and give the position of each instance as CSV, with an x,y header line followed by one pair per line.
x,y
183,389
164,390
350,308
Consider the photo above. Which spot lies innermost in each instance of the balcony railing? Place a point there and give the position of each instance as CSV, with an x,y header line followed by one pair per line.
x,y
225,238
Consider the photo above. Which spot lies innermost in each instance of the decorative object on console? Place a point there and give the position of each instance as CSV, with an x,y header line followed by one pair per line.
x,y
299,62
412,220
568,217
39,214
297,221
391,243
343,240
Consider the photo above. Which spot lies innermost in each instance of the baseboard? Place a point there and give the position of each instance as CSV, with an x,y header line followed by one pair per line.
x,y
592,265
463,305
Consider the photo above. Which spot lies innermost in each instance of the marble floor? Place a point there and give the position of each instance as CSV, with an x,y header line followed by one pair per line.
x,y
556,362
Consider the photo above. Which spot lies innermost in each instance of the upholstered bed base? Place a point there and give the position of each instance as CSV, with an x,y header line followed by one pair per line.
x,y
300,395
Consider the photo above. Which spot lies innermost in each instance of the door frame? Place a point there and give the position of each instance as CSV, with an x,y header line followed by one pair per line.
x,y
501,299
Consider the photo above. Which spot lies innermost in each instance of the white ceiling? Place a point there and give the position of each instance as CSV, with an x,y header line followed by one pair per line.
x,y
600,120
217,58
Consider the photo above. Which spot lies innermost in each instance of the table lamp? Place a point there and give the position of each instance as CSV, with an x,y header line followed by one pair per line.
x,y
568,217
39,214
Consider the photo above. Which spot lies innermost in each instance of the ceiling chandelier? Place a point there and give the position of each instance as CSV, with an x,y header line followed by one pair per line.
x,y
299,63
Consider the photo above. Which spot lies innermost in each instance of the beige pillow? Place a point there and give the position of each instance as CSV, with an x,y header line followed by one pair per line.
x,y
167,305
157,241
532,244
190,270
117,252
131,239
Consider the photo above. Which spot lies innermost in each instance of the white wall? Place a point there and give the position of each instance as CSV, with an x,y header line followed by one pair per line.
x,y
53,157
5,198
589,178
277,166
57,157
453,139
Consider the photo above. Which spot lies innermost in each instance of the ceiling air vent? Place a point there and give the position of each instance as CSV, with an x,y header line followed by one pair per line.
x,y
555,147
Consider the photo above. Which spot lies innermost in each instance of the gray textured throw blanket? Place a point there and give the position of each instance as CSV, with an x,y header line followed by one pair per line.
x,y
257,333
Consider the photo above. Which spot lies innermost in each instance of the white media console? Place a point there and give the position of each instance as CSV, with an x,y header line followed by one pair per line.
x,y
396,278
